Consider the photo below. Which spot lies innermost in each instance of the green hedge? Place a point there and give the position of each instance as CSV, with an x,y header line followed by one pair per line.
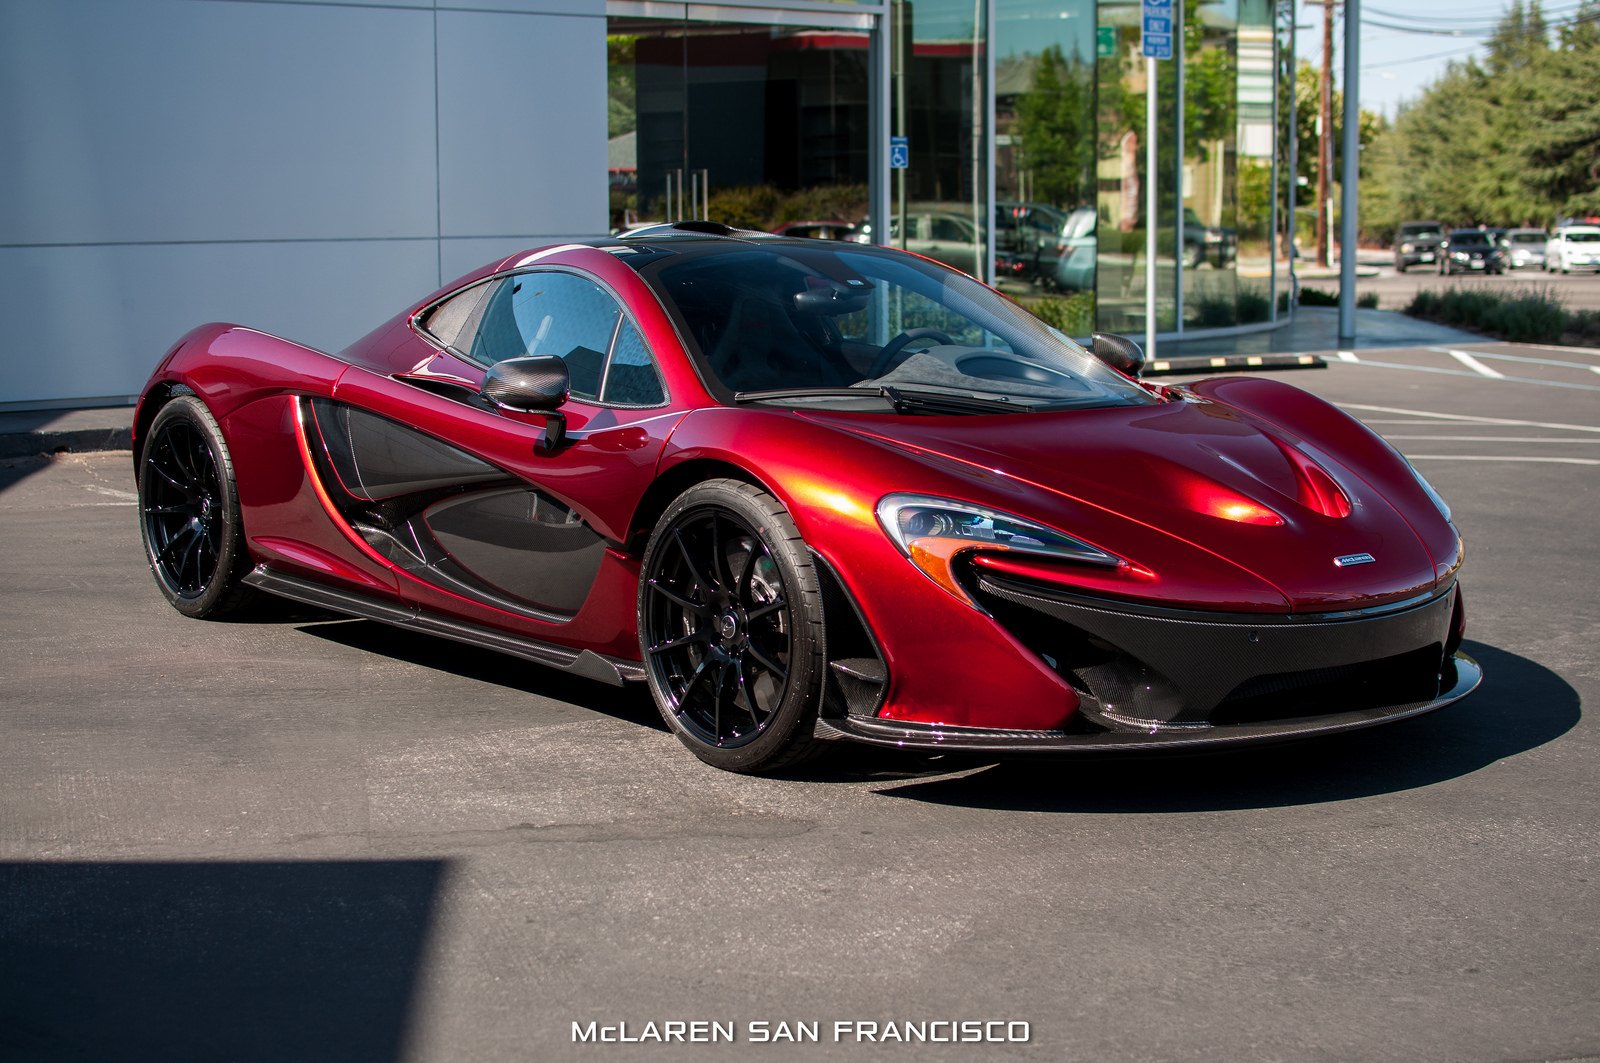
x,y
1532,314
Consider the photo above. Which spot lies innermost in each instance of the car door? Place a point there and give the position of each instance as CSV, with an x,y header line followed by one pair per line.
x,y
485,520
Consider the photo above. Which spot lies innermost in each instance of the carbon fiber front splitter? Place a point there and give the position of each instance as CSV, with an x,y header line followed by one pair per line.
x,y
1459,677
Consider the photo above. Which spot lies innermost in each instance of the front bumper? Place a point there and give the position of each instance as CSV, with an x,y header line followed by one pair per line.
x,y
1459,676
1154,677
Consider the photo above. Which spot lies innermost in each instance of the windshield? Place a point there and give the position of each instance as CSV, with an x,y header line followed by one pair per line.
x,y
1469,236
1422,232
1527,238
1583,238
863,328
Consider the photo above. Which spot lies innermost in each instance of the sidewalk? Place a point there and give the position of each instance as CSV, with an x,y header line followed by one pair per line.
x,y
1314,329
47,431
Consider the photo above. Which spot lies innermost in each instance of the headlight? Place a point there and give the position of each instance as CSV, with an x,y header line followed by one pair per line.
x,y
932,531
1406,249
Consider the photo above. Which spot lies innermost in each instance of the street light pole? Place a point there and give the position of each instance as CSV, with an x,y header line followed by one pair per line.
x,y
1325,133
1351,177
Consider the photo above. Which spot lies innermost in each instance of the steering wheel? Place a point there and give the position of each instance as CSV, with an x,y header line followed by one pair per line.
x,y
889,357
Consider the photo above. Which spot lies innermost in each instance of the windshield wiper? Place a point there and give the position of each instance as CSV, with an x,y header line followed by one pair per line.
x,y
939,402
901,400
742,397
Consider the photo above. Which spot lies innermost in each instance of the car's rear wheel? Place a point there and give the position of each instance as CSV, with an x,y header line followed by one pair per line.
x,y
189,513
730,626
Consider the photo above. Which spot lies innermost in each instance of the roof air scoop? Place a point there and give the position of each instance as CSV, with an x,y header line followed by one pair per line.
x,y
1317,490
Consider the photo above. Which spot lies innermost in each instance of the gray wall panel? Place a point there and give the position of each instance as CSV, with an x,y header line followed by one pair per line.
x,y
168,120
150,144
522,128
596,8
459,256
92,321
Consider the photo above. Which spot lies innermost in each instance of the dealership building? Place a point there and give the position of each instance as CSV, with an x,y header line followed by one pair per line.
x,y
308,167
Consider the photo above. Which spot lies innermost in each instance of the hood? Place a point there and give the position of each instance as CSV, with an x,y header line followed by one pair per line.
x,y
1188,479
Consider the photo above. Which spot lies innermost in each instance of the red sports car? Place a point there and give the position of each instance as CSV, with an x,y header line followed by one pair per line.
x,y
813,491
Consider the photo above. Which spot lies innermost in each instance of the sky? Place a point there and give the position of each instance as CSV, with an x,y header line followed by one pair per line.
x,y
1397,65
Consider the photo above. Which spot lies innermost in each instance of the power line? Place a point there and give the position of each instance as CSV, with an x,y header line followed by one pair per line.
x,y
1419,58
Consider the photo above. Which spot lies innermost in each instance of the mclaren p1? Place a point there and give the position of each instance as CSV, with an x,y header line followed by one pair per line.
x,y
809,492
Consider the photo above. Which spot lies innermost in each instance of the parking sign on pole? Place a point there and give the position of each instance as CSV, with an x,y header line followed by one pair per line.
x,y
1156,29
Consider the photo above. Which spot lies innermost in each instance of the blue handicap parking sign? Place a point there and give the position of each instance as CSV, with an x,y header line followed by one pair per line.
x,y
899,153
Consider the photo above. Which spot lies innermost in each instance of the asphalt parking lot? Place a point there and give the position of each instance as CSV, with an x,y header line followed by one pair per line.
x,y
309,838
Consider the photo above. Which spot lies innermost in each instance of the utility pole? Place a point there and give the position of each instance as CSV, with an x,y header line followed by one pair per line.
x,y
1325,133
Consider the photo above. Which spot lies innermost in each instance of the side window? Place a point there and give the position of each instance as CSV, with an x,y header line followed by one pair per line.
x,y
453,321
550,313
631,379
576,320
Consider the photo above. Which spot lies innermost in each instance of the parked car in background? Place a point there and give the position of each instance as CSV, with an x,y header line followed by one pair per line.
x,y
833,229
1204,243
1470,251
1076,252
1417,244
1025,239
1525,248
1573,247
940,235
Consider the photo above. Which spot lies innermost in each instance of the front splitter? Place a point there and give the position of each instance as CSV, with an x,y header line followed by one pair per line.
x,y
1461,675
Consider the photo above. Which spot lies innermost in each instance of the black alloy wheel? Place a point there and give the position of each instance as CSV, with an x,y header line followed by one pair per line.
x,y
730,627
189,512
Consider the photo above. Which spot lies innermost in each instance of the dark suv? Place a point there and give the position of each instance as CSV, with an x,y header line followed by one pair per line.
x,y
1417,243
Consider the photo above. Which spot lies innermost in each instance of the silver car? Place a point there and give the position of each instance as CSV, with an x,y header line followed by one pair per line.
x,y
1525,248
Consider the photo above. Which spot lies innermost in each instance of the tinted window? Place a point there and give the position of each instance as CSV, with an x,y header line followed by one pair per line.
x,y
853,320
1583,238
561,314
453,321
631,379
550,313
1527,238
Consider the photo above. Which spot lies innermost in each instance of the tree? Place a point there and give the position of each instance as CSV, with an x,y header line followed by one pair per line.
x,y
1053,123
1514,140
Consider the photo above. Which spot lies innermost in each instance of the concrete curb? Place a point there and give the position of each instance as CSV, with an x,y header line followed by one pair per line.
x,y
27,444
79,431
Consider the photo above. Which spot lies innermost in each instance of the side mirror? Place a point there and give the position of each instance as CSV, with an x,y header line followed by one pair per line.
x,y
536,383
1119,352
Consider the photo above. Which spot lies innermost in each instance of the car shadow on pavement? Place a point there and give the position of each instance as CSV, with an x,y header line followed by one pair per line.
x,y
1520,706
630,703
244,961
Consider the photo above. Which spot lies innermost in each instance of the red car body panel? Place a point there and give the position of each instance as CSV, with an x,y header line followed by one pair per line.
x,y
1149,484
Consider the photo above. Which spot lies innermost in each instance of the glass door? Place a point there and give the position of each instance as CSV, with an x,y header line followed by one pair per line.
x,y
760,123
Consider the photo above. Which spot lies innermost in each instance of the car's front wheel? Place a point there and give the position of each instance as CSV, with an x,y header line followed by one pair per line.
x,y
730,627
189,513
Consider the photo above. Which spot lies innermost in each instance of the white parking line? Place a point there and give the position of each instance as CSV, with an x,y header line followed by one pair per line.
x,y
1480,376
1472,418
1498,457
1520,358
1470,362
1348,356
1592,352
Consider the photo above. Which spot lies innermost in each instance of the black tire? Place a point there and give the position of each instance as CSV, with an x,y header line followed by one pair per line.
x,y
189,514
1399,265
730,628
